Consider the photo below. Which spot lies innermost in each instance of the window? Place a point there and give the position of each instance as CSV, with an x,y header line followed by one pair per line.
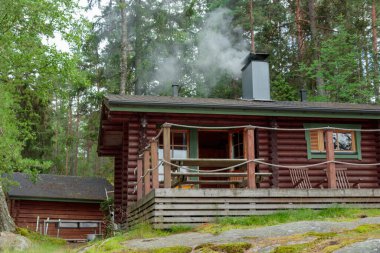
x,y
237,145
346,142
179,148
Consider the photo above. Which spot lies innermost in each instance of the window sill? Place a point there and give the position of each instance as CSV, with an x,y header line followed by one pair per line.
x,y
339,155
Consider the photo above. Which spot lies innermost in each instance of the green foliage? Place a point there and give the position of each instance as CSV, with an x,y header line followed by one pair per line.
x,y
283,91
338,66
144,230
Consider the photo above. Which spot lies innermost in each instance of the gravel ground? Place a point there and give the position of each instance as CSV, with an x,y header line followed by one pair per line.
x,y
193,239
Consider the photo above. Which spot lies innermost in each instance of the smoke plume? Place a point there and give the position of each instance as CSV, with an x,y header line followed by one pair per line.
x,y
219,48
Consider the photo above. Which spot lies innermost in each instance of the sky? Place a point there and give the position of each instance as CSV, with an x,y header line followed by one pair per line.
x,y
58,41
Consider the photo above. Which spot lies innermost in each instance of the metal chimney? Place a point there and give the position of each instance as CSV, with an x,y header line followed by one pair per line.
x,y
175,90
255,77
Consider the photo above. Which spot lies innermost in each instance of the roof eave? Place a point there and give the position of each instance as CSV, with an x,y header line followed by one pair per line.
x,y
111,105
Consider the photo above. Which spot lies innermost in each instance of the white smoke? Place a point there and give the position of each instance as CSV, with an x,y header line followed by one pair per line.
x,y
169,70
218,49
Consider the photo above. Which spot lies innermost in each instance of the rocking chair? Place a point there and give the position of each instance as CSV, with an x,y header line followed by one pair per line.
x,y
300,179
342,181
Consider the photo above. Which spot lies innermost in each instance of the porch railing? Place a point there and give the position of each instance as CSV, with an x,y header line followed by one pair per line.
x,y
148,162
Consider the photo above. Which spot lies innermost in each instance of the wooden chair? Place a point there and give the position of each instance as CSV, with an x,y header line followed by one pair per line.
x,y
342,181
300,178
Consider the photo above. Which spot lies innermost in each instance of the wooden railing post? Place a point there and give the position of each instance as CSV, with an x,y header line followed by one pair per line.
x,y
139,179
330,156
167,167
146,172
249,154
154,163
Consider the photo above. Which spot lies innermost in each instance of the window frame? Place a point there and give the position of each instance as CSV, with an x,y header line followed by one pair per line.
x,y
338,154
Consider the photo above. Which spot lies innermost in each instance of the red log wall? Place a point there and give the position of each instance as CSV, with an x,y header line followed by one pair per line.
x,y
25,212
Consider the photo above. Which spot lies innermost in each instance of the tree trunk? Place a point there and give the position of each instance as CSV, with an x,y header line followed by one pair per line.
x,y
123,47
139,84
68,135
251,22
6,221
315,43
375,52
299,30
76,139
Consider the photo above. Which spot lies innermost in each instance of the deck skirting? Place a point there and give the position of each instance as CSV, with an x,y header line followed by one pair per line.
x,y
164,208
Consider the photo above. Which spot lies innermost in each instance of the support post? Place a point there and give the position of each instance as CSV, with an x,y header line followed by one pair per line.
x,y
146,172
249,154
167,167
274,154
154,162
231,155
139,179
330,156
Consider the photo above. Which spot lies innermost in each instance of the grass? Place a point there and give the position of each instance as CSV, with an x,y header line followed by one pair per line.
x,y
236,247
329,214
41,243
141,231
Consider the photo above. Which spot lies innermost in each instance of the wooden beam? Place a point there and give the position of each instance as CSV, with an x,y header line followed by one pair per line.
x,y
330,156
146,172
154,162
167,167
139,175
207,162
249,152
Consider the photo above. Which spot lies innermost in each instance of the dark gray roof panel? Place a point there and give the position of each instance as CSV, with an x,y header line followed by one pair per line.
x,y
50,186
119,100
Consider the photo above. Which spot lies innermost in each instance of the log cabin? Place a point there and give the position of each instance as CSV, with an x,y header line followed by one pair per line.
x,y
183,160
67,207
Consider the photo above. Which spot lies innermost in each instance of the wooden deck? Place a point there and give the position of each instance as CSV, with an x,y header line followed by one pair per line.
x,y
164,208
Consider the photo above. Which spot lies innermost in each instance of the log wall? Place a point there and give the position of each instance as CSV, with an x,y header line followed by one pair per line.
x,y
164,208
285,148
25,212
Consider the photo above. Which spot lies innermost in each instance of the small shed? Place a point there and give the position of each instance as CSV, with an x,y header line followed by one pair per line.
x,y
61,206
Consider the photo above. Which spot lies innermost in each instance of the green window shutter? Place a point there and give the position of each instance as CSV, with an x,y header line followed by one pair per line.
x,y
322,155
194,149
193,143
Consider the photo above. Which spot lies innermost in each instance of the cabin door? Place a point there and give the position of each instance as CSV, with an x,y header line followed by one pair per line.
x,y
213,144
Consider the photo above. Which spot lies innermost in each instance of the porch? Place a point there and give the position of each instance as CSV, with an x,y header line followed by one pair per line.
x,y
164,163
164,208
185,194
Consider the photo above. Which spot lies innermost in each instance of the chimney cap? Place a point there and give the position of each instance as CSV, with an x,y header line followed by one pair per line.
x,y
254,57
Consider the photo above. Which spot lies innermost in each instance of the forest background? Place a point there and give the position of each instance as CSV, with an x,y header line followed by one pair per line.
x,y
50,99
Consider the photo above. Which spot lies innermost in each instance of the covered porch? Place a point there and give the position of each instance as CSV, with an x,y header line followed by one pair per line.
x,y
191,191
165,162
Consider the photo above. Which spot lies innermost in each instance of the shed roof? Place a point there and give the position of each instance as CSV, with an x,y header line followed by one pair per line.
x,y
59,187
119,101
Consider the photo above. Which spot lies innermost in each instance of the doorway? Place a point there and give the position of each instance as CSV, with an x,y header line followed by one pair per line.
x,y
212,144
